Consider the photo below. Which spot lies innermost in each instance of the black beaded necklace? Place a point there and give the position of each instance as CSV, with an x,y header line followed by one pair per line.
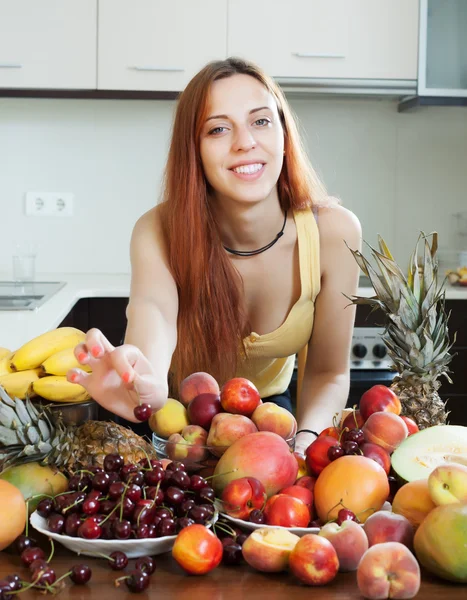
x,y
264,248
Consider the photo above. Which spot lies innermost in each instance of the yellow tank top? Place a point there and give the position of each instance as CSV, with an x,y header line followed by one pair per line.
x,y
270,358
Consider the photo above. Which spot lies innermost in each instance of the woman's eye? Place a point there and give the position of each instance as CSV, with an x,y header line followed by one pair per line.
x,y
215,130
266,121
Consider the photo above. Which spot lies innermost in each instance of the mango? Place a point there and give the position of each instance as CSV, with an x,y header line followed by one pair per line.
x,y
441,540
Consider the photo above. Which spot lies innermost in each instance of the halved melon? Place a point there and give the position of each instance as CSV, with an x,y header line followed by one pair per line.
x,y
421,452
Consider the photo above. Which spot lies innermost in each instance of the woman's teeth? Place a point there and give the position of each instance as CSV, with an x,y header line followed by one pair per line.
x,y
248,168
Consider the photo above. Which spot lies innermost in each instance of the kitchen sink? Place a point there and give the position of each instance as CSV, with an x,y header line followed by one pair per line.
x,y
27,295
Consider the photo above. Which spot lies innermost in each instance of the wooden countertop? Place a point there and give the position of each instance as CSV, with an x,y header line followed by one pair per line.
x,y
224,583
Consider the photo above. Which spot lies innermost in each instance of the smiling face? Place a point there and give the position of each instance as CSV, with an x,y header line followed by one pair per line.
x,y
242,147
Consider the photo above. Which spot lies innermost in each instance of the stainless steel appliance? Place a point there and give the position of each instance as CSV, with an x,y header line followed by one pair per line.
x,y
27,295
369,362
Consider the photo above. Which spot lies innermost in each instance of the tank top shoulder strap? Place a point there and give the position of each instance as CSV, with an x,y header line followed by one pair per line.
x,y
308,240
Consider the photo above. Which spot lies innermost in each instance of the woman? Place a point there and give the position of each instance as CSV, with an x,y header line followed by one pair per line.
x,y
234,273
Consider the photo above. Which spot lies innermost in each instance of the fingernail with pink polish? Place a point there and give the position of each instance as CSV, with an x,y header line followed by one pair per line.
x,y
126,377
95,351
74,377
82,356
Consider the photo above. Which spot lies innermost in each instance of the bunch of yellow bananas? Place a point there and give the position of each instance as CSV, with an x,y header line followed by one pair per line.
x,y
39,367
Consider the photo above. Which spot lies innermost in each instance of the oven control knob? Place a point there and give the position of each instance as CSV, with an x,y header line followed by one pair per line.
x,y
359,350
379,351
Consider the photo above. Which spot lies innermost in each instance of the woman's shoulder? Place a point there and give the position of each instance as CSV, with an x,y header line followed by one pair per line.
x,y
148,230
335,221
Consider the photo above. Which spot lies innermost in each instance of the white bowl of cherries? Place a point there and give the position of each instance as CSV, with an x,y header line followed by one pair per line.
x,y
136,509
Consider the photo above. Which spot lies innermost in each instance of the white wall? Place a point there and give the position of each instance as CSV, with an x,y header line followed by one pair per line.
x,y
400,173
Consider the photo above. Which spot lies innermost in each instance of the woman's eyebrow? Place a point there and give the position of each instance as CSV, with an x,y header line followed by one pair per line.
x,y
253,110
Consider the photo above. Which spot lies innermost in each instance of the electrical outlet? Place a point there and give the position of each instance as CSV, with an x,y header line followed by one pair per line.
x,y
49,204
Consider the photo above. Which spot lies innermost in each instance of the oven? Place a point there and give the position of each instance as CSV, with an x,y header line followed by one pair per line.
x,y
369,363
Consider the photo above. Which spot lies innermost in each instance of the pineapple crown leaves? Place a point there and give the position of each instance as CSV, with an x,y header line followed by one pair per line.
x,y
24,432
416,333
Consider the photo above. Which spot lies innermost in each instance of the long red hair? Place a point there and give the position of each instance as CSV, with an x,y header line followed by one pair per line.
x,y
211,319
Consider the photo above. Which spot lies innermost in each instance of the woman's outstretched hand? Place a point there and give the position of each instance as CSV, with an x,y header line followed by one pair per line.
x,y
121,377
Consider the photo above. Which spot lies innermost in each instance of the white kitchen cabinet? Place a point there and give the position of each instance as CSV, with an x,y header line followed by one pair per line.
x,y
327,39
48,44
158,44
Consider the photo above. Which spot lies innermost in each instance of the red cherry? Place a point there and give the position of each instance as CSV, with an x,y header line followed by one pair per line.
x,y
142,412
80,574
345,515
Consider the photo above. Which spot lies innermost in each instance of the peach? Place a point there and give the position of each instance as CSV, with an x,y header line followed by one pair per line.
x,y
314,560
349,541
388,570
378,454
379,398
268,549
411,425
385,429
302,468
448,483
203,408
189,445
413,501
286,511
243,495
385,526
271,417
196,384
171,418
263,455
240,396
227,429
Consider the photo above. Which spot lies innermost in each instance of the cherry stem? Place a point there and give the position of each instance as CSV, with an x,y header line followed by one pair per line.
x,y
225,528
333,507
52,550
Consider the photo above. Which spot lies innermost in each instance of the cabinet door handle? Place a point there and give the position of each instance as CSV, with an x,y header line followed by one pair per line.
x,y
10,66
316,55
153,68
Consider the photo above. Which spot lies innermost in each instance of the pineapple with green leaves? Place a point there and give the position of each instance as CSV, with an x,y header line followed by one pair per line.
x,y
29,435
416,333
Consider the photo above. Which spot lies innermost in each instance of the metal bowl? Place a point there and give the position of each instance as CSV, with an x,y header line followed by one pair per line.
x,y
74,413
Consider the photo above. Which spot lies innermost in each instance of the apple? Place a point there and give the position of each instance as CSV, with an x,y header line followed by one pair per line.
x,y
349,540
447,484
203,408
286,511
378,454
314,560
379,398
388,570
197,550
240,396
353,420
316,455
243,495
189,445
268,549
307,481
302,468
384,526
411,425
300,492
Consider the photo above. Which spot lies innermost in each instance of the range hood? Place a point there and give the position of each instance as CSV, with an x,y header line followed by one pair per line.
x,y
442,55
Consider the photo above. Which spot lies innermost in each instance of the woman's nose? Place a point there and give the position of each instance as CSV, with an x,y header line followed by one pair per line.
x,y
244,139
